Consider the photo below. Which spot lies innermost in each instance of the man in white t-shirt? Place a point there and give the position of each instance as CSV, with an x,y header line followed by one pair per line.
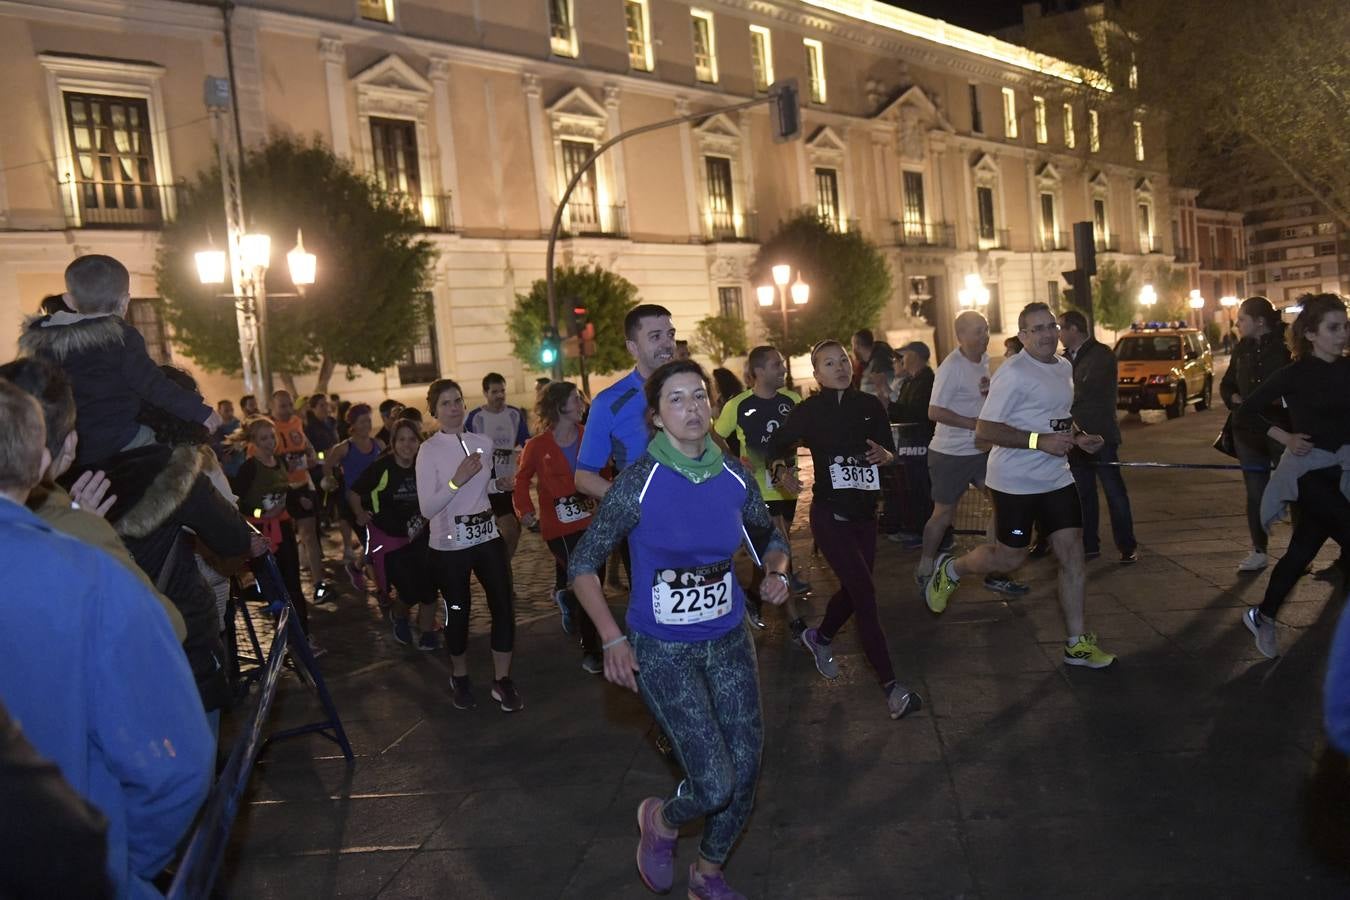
x,y
954,462
1027,420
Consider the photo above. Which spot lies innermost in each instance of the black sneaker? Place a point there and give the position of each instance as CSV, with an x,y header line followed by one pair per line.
x,y
461,692
1129,557
592,663
505,693
754,612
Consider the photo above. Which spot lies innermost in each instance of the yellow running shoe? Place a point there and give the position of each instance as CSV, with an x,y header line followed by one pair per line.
x,y
941,586
1085,652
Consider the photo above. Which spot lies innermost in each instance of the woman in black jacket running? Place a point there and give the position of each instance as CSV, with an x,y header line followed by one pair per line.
x,y
1258,355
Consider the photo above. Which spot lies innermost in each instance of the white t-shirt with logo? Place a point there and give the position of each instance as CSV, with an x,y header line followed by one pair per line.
x,y
1030,395
961,386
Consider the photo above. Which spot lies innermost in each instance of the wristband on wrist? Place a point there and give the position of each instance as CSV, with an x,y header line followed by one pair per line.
x,y
453,486
1031,440
621,639
782,575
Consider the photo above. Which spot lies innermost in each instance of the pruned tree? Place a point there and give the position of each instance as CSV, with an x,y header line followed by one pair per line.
x,y
720,338
1114,296
1173,287
368,306
849,281
607,297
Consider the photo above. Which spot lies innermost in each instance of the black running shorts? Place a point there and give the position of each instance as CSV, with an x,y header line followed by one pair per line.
x,y
785,508
1015,515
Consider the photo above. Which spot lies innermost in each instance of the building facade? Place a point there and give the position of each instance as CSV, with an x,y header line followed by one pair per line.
x,y
1295,247
959,155
1211,245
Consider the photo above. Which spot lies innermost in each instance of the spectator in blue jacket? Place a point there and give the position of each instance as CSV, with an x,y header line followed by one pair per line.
x,y
101,688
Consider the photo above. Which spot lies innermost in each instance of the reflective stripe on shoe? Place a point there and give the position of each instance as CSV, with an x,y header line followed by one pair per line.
x,y
1263,632
821,654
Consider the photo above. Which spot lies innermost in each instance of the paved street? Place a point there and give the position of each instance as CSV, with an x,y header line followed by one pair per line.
x,y
1177,772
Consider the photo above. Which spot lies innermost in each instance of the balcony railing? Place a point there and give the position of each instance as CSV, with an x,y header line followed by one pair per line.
x,y
1185,255
1054,240
1149,243
1108,244
729,227
583,219
993,239
1220,264
435,210
924,234
117,204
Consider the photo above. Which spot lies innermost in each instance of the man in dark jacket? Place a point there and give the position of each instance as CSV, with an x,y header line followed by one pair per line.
x,y
1094,409
909,402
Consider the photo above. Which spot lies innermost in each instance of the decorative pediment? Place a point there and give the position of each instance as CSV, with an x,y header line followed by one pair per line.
x,y
1048,176
577,114
1099,182
1143,186
391,87
914,102
983,165
719,134
826,140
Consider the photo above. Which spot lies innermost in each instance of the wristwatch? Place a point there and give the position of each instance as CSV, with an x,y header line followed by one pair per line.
x,y
782,575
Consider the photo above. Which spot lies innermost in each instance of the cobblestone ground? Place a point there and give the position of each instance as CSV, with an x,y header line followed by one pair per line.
x,y
1179,772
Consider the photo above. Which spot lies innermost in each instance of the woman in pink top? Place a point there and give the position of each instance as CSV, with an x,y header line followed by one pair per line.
x,y
452,483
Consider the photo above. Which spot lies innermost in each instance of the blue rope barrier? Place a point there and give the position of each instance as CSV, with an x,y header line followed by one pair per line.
x,y
1230,467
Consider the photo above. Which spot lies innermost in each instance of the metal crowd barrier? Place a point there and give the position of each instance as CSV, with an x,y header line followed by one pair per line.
x,y
200,865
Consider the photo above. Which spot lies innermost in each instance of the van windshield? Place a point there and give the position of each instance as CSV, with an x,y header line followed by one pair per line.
x,y
1153,347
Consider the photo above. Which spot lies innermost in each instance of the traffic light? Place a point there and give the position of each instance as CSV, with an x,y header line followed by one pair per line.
x,y
576,319
549,348
785,110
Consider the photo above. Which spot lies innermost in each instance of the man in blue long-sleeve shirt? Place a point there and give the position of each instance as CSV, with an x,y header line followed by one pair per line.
x,y
100,686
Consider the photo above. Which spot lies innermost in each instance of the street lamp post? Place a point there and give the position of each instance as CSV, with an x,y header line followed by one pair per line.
x,y
783,286
1197,303
1147,298
974,295
255,256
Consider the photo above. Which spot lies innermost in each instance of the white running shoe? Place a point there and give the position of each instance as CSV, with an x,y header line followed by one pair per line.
x,y
1255,562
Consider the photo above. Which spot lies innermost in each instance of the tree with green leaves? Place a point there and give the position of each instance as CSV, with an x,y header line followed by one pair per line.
x,y
1173,286
607,297
720,338
368,305
1115,300
849,281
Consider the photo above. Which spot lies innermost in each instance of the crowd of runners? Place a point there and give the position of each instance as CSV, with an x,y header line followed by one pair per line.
x,y
672,476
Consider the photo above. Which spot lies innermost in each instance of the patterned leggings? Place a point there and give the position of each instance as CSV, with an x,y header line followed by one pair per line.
x,y
705,696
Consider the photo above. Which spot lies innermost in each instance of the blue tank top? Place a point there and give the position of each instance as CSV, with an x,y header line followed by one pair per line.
x,y
356,462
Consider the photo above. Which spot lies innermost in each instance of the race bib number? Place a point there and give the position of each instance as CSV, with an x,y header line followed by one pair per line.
x,y
689,596
415,526
850,476
574,508
478,528
503,462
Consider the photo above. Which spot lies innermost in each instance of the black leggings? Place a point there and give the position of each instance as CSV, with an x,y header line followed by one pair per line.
x,y
1323,512
288,562
562,548
450,571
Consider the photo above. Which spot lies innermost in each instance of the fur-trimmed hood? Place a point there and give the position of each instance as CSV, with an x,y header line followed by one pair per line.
x,y
150,484
62,334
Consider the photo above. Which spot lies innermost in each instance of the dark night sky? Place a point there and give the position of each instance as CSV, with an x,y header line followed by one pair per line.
x,y
978,15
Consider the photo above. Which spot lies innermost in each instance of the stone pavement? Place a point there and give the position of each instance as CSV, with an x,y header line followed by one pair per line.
x,y
1177,772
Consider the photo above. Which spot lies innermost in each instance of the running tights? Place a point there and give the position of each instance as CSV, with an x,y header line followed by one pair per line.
x,y
851,549
705,696
562,548
1322,513
450,570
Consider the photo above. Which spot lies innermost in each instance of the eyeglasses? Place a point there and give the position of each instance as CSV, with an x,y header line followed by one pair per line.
x,y
1042,329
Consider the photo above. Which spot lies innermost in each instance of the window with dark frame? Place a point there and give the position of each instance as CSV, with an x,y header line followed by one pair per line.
x,y
721,198
561,27
984,201
729,302
582,211
393,147
110,140
1099,219
994,311
422,364
639,43
1049,229
827,196
976,119
912,215
145,314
